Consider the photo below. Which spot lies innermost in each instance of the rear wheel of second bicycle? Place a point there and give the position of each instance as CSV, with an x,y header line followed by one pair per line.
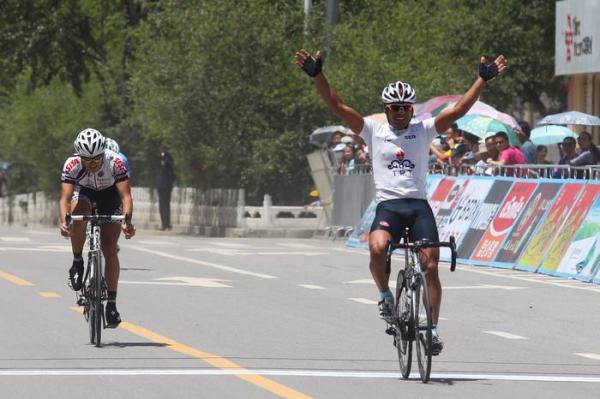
x,y
423,327
403,312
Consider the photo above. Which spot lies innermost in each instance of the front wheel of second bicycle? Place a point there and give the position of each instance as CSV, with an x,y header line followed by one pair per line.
x,y
403,314
423,327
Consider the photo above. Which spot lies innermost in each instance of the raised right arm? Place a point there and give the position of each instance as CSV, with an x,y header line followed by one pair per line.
x,y
353,119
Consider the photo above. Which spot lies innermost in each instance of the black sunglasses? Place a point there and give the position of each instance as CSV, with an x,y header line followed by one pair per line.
x,y
91,159
400,107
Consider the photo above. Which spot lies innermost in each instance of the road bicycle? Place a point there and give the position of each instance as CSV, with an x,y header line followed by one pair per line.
x,y
94,293
411,320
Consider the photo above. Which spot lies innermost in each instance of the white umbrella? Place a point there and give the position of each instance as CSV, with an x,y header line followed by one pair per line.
x,y
570,118
550,134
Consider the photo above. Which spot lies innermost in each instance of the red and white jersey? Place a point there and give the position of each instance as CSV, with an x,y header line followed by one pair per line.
x,y
113,170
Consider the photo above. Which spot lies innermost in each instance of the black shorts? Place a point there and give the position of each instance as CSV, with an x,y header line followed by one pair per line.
x,y
108,201
394,216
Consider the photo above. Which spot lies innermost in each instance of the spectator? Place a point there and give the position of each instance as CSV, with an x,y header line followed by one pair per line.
x,y
164,185
508,155
527,147
335,139
568,153
470,146
363,164
589,155
3,184
348,161
542,152
490,152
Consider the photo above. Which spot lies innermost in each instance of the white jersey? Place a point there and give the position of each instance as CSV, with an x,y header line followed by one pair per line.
x,y
400,157
113,170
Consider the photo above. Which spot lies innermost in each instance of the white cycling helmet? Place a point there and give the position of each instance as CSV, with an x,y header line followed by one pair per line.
x,y
398,92
112,145
90,143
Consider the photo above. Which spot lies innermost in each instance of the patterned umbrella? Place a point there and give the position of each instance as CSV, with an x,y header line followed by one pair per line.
x,y
483,126
570,118
550,134
481,108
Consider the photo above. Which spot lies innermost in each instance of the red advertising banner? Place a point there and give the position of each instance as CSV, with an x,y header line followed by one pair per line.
x,y
439,195
549,228
567,231
541,200
504,221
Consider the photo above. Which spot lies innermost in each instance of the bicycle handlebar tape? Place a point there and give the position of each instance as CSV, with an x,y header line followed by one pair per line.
x,y
452,253
312,67
489,71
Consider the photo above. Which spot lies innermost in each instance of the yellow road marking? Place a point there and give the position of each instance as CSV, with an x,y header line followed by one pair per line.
x,y
14,279
215,361
50,294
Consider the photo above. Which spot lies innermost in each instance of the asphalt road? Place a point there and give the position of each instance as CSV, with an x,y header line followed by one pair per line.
x,y
267,318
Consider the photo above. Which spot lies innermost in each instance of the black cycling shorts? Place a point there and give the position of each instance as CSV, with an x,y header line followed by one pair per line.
x,y
108,201
394,216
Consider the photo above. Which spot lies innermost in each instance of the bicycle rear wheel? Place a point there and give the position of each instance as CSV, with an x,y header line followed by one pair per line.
x,y
403,312
423,326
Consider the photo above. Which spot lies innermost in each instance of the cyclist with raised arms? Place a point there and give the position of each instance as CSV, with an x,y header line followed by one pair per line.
x,y
96,175
399,151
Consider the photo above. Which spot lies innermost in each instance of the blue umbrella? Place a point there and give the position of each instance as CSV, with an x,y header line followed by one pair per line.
x,y
550,134
570,118
483,126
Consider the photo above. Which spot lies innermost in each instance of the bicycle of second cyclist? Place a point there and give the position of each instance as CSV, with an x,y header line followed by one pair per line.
x,y
94,293
411,321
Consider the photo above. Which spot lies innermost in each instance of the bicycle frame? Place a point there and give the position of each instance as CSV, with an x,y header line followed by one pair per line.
x,y
413,321
94,291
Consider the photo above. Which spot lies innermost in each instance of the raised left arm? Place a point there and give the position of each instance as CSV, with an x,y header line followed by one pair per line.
x,y
486,72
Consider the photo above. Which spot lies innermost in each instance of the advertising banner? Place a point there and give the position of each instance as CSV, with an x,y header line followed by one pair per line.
x,y
576,31
455,221
432,183
494,236
528,220
484,216
582,259
441,192
569,228
546,232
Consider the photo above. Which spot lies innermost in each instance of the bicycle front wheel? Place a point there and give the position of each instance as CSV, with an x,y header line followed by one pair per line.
x,y
403,312
423,326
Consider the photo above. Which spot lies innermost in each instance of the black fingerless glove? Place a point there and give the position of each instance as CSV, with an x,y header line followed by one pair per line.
x,y
312,67
489,71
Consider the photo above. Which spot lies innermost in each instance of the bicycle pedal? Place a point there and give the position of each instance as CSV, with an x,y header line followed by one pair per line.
x,y
390,330
80,301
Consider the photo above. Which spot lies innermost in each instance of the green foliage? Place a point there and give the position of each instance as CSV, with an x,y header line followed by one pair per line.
x,y
217,83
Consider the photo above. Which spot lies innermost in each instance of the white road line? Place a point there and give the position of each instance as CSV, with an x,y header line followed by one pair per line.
x,y
229,244
363,300
41,249
484,287
157,242
578,285
296,245
16,239
506,335
203,263
241,252
593,356
311,287
352,251
292,373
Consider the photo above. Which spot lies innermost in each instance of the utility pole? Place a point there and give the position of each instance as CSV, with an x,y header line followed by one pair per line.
x,y
330,20
307,10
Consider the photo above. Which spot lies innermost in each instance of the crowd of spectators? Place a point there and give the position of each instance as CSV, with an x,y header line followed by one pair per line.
x,y
349,154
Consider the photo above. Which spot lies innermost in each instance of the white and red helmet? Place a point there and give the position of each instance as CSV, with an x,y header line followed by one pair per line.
x,y
398,92
90,143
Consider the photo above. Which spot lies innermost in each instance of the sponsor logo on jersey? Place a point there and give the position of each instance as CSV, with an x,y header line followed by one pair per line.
x,y
401,167
412,136
120,165
74,162
400,153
